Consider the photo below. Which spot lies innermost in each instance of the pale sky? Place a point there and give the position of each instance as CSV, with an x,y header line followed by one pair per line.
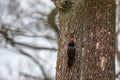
x,y
19,62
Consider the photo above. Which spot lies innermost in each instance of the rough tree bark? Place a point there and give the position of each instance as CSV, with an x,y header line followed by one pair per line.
x,y
93,25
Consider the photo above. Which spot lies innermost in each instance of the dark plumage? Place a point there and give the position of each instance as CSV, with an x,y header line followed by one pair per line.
x,y
71,53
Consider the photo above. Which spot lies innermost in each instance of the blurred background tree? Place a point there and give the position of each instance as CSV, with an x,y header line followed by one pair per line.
x,y
118,39
28,43
28,39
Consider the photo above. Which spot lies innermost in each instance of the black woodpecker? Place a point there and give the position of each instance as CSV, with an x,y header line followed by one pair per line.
x,y
71,51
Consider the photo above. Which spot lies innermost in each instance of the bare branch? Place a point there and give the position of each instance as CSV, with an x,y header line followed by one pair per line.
x,y
37,62
35,47
29,75
11,41
44,36
51,20
117,75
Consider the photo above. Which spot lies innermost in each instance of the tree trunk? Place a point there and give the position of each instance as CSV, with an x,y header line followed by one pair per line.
x,y
93,25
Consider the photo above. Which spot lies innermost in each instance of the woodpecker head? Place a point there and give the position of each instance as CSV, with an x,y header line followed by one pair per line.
x,y
72,37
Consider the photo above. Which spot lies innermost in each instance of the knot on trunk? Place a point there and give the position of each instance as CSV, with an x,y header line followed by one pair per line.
x,y
63,4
